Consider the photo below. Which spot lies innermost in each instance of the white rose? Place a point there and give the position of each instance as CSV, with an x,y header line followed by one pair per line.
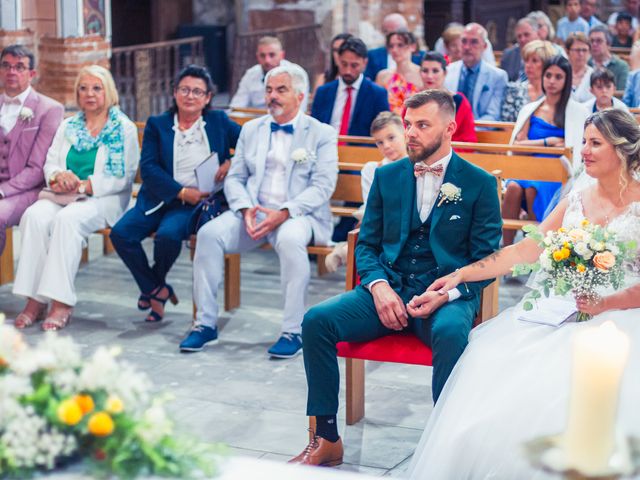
x,y
577,235
582,249
25,114
449,190
299,155
597,246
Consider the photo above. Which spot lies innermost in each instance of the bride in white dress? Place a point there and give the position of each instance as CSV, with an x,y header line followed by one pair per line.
x,y
512,383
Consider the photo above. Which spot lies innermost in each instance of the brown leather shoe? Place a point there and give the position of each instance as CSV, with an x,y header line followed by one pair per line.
x,y
321,452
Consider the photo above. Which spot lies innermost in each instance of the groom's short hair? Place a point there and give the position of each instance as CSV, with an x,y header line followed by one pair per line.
x,y
443,99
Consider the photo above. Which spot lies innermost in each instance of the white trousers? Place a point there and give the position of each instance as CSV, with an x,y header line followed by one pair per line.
x,y
52,240
227,234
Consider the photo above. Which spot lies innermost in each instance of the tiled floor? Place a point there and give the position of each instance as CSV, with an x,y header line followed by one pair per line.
x,y
232,392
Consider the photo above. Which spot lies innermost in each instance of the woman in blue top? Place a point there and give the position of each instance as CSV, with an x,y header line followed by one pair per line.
x,y
555,120
174,144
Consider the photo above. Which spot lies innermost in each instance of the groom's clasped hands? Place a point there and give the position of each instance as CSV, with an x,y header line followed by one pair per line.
x,y
422,306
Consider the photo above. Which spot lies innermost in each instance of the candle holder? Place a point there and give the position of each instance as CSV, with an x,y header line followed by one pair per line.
x,y
546,453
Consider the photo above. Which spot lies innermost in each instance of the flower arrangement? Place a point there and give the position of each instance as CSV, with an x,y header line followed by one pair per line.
x,y
302,155
56,407
579,261
449,193
26,114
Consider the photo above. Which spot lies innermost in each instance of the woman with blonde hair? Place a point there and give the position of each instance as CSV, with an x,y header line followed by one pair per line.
x,y
89,171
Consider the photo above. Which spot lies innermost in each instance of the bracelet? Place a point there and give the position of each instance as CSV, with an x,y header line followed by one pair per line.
x,y
544,140
181,195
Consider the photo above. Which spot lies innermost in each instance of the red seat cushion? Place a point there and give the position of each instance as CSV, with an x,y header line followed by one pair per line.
x,y
397,348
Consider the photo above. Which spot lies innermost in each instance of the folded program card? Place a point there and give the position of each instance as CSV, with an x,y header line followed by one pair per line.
x,y
206,174
549,311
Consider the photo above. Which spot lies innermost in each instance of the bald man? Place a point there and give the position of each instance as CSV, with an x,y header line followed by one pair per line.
x,y
379,58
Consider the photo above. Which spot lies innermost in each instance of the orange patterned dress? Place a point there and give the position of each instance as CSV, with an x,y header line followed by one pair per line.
x,y
399,90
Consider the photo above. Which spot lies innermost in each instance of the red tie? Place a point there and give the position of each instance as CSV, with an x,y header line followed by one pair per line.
x,y
346,113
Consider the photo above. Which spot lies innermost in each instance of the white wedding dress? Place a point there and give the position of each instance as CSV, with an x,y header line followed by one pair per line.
x,y
512,384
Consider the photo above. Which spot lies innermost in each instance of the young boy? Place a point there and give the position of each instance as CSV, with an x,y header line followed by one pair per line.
x,y
572,22
603,87
388,132
623,36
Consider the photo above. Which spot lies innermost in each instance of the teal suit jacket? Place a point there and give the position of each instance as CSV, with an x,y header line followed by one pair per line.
x,y
461,233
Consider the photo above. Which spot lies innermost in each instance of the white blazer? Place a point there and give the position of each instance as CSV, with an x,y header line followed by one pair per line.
x,y
112,193
574,118
311,182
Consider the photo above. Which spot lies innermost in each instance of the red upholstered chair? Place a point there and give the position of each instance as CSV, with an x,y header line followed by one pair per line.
x,y
400,348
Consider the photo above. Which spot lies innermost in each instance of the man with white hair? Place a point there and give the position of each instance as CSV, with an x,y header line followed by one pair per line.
x,y
270,54
380,58
278,187
481,83
526,31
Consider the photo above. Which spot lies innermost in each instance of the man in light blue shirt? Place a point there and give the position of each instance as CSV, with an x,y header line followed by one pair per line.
x,y
572,22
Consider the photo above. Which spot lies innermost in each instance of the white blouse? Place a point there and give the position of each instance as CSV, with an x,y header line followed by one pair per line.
x,y
190,149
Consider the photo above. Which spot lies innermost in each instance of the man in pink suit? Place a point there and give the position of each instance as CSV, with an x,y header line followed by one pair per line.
x,y
28,122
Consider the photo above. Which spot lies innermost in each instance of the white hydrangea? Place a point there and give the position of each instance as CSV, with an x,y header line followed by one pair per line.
x,y
155,424
545,261
11,343
53,353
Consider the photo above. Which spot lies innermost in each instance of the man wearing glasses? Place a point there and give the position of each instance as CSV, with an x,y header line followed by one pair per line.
x,y
601,56
481,83
270,54
28,122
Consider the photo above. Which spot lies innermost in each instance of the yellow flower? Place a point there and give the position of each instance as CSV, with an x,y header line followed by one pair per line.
x,y
101,424
114,404
69,412
85,402
565,245
557,256
562,230
585,222
3,363
580,268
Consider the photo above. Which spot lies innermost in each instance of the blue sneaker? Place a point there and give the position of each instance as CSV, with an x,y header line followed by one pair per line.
x,y
288,346
199,336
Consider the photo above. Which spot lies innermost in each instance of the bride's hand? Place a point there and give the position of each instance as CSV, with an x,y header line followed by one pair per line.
x,y
446,283
591,306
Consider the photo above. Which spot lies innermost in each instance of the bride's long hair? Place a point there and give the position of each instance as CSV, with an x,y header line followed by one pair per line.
x,y
621,130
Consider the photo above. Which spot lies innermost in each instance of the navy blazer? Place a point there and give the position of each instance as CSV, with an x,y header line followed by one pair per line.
x,y
377,60
372,99
156,159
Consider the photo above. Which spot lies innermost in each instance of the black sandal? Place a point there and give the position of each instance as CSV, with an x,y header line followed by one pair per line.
x,y
144,302
154,316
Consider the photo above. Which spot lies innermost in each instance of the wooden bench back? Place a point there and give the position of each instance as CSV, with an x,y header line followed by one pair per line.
x,y
500,132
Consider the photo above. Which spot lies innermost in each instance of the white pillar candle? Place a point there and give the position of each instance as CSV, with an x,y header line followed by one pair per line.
x,y
599,358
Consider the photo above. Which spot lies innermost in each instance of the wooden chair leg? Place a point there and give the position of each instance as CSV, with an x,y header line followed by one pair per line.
x,y
322,268
6,259
107,245
354,390
85,255
231,281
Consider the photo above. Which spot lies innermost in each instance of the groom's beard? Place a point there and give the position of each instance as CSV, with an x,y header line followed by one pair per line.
x,y
421,153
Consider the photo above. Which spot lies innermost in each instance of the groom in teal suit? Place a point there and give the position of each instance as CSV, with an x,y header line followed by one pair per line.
x,y
426,215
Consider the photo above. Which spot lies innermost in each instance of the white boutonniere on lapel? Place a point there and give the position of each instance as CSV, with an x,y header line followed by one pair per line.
x,y
302,155
26,114
449,193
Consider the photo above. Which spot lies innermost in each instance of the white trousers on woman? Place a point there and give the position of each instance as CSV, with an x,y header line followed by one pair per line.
x,y
52,240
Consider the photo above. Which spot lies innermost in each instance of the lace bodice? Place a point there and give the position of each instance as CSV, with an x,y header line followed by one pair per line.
x,y
626,225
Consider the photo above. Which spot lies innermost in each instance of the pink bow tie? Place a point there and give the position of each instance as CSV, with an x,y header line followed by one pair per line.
x,y
11,101
419,169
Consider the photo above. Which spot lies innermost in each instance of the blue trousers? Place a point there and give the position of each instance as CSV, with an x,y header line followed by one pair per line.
x,y
352,317
170,226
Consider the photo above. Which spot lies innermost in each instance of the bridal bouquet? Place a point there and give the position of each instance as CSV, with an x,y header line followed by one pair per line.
x,y
580,261
56,408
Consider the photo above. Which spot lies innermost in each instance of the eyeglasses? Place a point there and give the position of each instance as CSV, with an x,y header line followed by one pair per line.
x,y
196,92
96,89
18,67
579,50
470,41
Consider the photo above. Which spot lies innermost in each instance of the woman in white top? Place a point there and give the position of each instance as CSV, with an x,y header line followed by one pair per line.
x,y
90,165
579,48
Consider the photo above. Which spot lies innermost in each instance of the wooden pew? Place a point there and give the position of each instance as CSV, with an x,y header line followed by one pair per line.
x,y
494,132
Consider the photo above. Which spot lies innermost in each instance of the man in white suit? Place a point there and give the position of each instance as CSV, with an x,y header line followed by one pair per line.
x,y
278,188
481,83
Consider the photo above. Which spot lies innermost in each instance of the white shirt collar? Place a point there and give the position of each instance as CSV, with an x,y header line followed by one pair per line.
x,y
21,96
444,161
355,85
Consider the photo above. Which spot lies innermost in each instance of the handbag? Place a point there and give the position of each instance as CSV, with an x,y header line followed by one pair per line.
x,y
208,209
60,198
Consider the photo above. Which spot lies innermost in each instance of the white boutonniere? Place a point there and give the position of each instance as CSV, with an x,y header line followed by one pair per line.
x,y
26,114
449,193
302,155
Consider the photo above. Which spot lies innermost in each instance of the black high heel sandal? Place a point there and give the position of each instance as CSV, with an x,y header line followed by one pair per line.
x,y
154,316
144,302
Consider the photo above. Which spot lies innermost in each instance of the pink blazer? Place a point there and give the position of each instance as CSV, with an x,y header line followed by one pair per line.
x,y
30,142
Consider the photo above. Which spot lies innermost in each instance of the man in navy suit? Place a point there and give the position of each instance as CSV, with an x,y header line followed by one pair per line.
x,y
351,102
379,58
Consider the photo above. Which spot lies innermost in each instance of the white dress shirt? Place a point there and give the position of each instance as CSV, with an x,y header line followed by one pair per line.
x,y
427,191
191,148
11,109
273,188
341,98
251,90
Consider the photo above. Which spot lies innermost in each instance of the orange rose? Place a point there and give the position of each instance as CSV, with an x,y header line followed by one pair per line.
x,y
604,260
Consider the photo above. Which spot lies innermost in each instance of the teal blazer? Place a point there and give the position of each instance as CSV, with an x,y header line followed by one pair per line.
x,y
461,233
